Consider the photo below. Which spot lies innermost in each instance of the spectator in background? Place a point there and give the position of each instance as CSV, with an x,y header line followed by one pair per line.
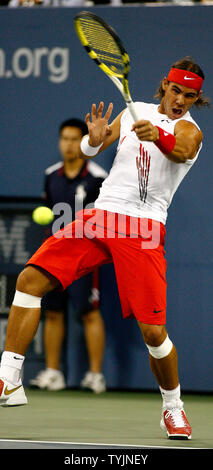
x,y
75,182
48,3
89,3
61,3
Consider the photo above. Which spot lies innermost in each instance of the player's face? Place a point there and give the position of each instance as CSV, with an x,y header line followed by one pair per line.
x,y
177,99
69,143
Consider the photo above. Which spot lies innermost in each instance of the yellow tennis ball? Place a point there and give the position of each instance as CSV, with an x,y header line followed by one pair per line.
x,y
42,215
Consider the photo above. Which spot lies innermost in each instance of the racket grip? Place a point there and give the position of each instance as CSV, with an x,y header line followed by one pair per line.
x,y
132,109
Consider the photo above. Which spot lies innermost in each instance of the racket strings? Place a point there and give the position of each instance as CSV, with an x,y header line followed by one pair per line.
x,y
103,44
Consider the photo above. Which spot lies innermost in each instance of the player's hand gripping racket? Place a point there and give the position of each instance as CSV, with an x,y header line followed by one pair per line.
x,y
106,49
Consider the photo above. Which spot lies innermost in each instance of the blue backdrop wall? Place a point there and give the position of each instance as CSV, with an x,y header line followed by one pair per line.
x,y
47,77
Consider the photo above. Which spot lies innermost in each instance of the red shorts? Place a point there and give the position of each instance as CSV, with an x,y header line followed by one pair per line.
x,y
134,246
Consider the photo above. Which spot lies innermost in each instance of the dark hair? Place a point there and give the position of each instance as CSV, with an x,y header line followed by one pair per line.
x,y
74,122
186,63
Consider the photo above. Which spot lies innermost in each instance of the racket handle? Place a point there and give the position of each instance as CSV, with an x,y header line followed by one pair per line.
x,y
132,109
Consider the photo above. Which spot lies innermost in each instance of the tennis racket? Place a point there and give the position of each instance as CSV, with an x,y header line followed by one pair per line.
x,y
106,49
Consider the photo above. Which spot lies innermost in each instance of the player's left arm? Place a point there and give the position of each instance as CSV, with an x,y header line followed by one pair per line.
x,y
180,147
187,141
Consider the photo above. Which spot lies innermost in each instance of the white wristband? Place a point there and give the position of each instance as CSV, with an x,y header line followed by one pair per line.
x,y
88,149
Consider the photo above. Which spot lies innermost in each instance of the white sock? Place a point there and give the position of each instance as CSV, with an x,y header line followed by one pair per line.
x,y
170,396
11,365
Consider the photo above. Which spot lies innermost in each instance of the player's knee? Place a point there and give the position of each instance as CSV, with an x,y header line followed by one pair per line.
x,y
161,351
157,340
153,335
34,282
27,283
23,280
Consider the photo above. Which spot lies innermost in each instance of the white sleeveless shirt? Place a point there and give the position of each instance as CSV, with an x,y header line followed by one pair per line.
x,y
142,180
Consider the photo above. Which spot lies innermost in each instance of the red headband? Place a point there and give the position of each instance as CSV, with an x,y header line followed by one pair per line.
x,y
185,78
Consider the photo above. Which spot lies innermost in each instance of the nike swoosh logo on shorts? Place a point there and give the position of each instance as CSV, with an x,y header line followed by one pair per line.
x,y
8,392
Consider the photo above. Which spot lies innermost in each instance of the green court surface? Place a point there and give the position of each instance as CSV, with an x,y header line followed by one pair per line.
x,y
113,418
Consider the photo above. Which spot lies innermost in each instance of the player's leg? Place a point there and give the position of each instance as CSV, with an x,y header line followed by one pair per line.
x,y
165,369
164,365
65,257
144,297
23,322
32,284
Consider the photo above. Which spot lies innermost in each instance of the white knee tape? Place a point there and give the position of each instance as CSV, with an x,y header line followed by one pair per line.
x,y
26,300
158,352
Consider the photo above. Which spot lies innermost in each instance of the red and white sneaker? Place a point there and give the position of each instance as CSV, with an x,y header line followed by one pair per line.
x,y
174,421
11,395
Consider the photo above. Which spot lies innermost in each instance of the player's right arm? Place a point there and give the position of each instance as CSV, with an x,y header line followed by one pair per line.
x,y
100,132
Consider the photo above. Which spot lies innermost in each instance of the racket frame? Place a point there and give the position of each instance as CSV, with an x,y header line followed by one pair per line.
x,y
120,80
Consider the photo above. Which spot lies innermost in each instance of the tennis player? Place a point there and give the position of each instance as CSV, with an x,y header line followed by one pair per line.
x,y
127,228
